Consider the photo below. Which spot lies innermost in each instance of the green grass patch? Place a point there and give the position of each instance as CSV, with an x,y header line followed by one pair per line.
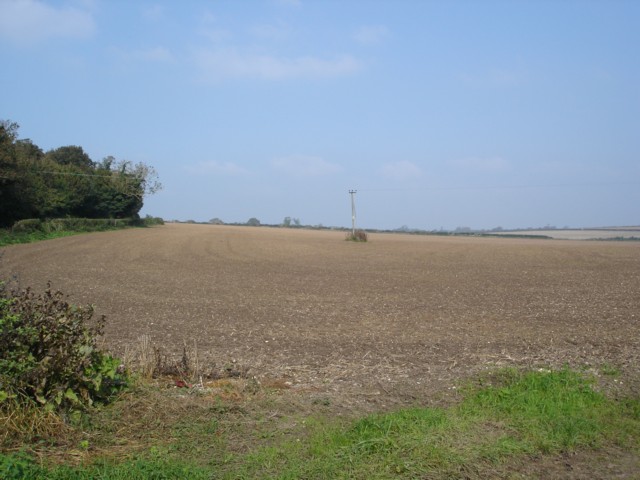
x,y
35,230
9,238
534,413
153,466
511,416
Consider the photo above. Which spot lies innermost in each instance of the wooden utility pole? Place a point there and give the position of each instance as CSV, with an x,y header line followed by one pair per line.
x,y
353,212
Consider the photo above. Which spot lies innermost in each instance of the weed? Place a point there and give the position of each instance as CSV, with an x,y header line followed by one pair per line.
x,y
609,370
357,236
48,352
522,414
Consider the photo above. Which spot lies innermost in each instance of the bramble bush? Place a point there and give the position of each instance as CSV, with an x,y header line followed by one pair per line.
x,y
48,352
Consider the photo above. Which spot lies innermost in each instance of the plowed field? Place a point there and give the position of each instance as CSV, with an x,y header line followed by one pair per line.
x,y
397,320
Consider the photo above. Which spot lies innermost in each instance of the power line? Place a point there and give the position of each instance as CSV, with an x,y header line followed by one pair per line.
x,y
74,174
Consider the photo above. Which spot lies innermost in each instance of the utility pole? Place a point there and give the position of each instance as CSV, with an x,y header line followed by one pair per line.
x,y
353,212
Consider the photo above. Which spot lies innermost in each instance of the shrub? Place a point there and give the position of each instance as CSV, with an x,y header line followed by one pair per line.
x,y
54,225
87,224
149,221
29,225
48,352
357,236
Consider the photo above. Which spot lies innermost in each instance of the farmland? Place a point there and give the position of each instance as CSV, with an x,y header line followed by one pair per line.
x,y
397,321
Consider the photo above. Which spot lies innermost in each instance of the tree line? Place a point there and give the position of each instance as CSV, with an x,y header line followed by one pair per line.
x,y
65,182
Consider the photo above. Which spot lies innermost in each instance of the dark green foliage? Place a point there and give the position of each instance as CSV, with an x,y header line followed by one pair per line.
x,y
65,182
48,352
71,155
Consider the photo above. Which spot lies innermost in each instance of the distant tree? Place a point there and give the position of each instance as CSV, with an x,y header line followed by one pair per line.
x,y
216,221
254,222
286,222
296,222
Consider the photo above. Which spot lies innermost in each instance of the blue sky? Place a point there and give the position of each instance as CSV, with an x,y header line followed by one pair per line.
x,y
440,113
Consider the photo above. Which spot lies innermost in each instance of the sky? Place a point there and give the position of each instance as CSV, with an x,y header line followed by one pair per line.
x,y
441,114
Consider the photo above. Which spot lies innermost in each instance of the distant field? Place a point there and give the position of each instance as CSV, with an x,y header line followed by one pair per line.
x,y
582,234
393,321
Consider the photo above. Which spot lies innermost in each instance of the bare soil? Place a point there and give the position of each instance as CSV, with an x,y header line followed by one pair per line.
x,y
399,320
348,328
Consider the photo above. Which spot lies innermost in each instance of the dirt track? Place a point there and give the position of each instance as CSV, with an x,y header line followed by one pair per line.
x,y
393,321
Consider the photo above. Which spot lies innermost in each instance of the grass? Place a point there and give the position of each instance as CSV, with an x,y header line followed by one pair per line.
x,y
154,466
29,231
526,414
505,418
9,238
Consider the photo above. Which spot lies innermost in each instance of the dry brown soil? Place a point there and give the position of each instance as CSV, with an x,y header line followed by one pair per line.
x,y
369,326
353,328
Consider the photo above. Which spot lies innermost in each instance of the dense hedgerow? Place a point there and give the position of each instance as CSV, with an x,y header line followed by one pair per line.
x,y
34,229
48,352
33,225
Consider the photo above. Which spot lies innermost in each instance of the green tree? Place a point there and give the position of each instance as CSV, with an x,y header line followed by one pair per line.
x,y
27,150
71,155
253,221
12,180
135,180
121,186
66,182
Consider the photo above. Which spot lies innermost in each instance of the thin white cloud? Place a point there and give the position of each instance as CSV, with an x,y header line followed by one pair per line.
x,y
487,164
213,167
402,170
218,64
32,21
371,35
305,166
